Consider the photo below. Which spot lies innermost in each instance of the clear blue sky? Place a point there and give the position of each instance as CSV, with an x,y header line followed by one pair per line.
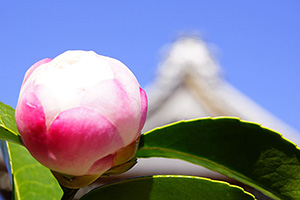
x,y
258,41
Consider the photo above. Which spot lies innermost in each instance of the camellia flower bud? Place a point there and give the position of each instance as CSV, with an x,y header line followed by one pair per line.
x,y
81,114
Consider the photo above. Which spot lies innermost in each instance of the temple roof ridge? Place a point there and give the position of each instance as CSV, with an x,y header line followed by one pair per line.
x,y
188,55
189,84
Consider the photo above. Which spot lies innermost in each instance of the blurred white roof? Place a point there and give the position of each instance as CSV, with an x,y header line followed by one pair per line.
x,y
189,85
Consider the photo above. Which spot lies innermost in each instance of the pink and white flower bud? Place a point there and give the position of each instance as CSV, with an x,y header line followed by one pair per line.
x,y
77,111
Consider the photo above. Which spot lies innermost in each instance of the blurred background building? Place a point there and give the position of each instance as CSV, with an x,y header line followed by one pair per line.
x,y
189,84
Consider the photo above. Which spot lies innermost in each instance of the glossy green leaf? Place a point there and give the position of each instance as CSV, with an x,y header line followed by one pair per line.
x,y
8,128
30,180
164,187
242,150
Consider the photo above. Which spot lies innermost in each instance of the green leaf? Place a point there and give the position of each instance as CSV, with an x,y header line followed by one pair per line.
x,y
242,150
8,128
166,187
29,178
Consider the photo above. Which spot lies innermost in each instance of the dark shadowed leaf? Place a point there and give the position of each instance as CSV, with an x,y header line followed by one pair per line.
x,y
165,187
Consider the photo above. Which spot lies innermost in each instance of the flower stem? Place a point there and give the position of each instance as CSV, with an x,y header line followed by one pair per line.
x,y
68,193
